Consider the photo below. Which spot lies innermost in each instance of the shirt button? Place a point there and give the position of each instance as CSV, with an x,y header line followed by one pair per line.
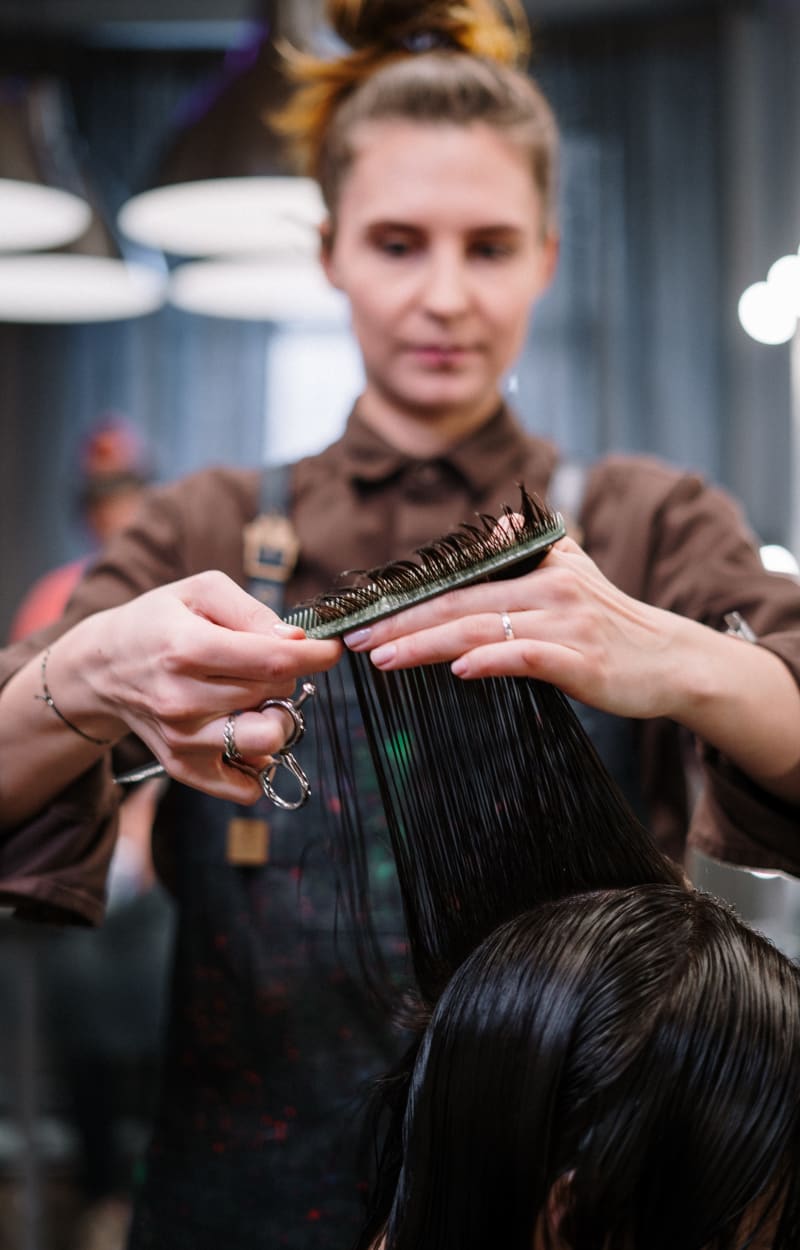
x,y
424,481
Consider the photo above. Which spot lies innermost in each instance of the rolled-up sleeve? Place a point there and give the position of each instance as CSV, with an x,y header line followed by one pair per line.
x,y
54,867
669,538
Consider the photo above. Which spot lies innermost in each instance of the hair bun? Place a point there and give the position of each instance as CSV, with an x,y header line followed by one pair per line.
x,y
367,23
497,28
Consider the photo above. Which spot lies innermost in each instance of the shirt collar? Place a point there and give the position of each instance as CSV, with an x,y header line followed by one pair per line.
x,y
494,452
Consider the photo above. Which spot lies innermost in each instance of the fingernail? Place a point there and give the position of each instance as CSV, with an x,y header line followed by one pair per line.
x,y
357,638
383,655
288,631
459,667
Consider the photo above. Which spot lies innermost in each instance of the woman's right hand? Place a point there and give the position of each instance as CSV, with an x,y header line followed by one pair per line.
x,y
171,665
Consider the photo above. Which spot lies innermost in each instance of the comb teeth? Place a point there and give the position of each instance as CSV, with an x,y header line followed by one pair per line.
x,y
473,552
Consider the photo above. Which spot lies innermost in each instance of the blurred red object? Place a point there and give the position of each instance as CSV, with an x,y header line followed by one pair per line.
x,y
115,464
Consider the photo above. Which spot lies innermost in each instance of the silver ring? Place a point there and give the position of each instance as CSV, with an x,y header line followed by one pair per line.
x,y
231,755
508,629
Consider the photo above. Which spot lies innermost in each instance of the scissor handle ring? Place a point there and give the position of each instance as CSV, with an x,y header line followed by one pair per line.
x,y
284,759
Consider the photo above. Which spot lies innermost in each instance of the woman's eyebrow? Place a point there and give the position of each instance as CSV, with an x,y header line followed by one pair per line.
x,y
497,230
386,223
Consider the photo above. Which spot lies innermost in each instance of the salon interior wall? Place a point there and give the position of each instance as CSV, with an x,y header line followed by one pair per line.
x,y
760,200
680,186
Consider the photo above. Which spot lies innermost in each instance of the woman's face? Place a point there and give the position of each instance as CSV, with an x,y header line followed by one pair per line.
x,y
439,245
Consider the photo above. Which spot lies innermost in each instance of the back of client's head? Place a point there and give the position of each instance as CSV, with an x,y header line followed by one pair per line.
x,y
617,1070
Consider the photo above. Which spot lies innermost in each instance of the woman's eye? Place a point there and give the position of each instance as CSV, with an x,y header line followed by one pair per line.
x,y
394,247
491,251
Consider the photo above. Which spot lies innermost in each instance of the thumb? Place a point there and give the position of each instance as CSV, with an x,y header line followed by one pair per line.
x,y
222,601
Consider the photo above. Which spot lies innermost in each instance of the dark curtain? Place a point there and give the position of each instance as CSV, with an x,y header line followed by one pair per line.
x,y
625,351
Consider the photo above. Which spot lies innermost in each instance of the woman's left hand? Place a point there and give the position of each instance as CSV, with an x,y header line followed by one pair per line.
x,y
571,626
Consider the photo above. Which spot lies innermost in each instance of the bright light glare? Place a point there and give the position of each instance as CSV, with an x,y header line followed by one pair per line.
x,y
227,216
779,559
258,289
65,288
765,318
33,217
784,278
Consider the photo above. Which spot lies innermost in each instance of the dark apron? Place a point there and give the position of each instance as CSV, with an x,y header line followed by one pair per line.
x,y
272,1042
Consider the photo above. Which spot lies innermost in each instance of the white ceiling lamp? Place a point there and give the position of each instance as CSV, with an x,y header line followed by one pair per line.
x,y
62,288
41,200
223,186
33,216
87,279
258,288
228,216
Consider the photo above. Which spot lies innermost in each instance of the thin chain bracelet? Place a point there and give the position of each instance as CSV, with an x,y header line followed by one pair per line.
x,y
47,698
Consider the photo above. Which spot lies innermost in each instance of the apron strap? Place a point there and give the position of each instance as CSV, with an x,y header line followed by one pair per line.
x,y
271,545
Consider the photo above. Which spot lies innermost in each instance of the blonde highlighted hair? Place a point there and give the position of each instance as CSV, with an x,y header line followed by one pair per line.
x,y
445,61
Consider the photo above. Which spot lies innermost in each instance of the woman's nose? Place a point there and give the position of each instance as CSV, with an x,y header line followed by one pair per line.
x,y
446,289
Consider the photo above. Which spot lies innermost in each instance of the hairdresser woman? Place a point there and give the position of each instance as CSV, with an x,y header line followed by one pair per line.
x,y
437,161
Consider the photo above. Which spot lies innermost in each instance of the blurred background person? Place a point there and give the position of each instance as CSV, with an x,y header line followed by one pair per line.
x,y
114,464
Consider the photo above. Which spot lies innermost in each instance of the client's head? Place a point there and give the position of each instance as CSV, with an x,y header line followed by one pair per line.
x,y
617,1070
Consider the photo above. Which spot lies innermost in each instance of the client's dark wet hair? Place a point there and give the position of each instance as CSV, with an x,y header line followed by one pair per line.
x,y
626,1062
601,1055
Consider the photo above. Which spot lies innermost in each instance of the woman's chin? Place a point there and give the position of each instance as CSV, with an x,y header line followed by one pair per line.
x,y
446,396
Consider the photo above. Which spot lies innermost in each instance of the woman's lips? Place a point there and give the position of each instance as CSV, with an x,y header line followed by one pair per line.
x,y
442,355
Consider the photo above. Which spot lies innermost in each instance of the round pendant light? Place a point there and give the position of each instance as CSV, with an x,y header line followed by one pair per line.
x,y
227,216
45,204
33,216
223,185
59,288
41,198
258,288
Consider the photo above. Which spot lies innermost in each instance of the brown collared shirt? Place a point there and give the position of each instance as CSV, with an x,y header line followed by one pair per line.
x,y
662,535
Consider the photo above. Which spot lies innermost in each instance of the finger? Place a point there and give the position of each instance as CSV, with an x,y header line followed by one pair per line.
x,y
509,594
454,638
227,783
488,598
440,642
179,703
185,702
215,598
567,546
257,736
510,524
544,661
556,580
212,775
220,652
201,761
218,598
567,554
